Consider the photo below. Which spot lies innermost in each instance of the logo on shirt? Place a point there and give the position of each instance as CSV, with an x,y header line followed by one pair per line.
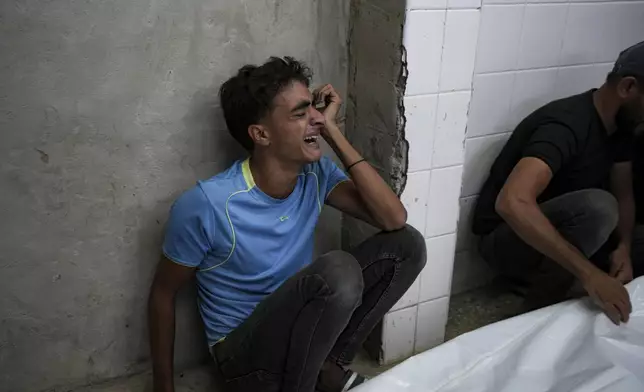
x,y
283,218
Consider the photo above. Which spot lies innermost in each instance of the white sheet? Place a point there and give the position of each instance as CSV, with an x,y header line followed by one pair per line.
x,y
571,346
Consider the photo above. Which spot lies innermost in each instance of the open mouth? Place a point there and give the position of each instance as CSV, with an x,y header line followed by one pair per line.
x,y
312,140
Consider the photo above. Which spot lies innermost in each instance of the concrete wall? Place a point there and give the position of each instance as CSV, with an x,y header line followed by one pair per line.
x,y
375,112
108,112
530,53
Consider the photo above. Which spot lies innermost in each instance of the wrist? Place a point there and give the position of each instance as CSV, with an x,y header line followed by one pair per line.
x,y
588,274
624,246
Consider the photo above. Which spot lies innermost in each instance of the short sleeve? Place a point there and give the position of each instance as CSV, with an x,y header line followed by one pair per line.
x,y
190,229
555,144
330,176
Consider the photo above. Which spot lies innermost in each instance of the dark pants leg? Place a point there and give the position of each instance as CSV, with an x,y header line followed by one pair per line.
x,y
324,311
584,218
637,251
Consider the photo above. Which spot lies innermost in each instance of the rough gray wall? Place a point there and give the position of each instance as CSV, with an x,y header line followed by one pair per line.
x,y
376,87
107,113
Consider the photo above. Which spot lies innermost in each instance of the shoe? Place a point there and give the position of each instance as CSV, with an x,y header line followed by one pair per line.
x,y
334,378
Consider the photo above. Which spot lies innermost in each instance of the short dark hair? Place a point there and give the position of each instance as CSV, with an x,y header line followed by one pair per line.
x,y
614,77
248,96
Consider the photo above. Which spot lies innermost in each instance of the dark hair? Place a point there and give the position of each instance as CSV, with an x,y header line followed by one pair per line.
x,y
248,96
614,77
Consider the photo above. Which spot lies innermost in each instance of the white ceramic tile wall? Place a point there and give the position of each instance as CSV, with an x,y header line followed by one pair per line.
x,y
423,39
426,5
499,38
440,39
398,330
480,153
459,49
435,280
530,52
442,204
415,197
451,120
430,324
420,112
490,107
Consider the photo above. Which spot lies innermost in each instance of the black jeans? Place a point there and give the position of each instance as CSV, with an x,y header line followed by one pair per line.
x,y
586,219
324,312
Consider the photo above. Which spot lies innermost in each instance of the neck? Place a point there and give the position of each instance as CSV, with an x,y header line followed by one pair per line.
x,y
275,178
607,107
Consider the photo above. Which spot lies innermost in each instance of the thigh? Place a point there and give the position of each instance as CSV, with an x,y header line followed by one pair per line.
x,y
255,353
584,218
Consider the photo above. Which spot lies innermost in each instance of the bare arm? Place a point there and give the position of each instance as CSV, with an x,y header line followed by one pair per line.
x,y
367,196
168,280
517,205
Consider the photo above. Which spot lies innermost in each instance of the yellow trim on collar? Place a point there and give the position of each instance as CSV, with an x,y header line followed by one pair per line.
x,y
248,175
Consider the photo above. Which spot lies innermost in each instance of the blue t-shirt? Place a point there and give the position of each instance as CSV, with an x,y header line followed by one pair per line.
x,y
244,243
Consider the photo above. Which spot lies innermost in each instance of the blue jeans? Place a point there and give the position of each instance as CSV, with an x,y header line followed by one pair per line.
x,y
324,312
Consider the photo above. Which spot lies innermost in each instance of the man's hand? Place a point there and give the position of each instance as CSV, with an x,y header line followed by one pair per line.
x,y
610,295
621,267
328,102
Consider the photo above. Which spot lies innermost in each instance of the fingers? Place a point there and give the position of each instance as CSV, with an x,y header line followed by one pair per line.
x,y
325,94
621,303
612,314
623,276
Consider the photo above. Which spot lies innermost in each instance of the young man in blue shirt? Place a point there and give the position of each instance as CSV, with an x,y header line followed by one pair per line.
x,y
275,319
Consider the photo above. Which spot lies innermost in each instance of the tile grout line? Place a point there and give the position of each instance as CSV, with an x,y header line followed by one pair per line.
x,y
507,71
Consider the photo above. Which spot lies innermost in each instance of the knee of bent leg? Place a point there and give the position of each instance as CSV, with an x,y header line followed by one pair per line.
x,y
603,209
412,247
343,276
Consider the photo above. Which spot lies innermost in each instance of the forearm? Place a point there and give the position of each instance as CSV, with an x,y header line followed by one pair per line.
x,y
161,323
382,203
532,226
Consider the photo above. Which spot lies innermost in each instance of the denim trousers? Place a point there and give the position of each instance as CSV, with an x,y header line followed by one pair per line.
x,y
322,313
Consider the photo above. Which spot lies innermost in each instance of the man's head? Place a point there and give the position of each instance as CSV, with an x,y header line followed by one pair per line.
x,y
269,108
627,80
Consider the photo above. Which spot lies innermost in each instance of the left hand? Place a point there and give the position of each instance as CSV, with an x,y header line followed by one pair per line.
x,y
621,267
332,102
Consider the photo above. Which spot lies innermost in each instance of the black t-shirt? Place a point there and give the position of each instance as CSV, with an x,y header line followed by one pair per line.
x,y
569,136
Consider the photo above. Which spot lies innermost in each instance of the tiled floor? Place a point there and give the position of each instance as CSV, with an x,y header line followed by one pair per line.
x,y
468,311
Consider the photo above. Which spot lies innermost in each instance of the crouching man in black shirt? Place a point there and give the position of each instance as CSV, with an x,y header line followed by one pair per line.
x,y
558,203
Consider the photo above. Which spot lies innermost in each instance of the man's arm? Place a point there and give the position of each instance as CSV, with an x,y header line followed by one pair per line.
x,y
621,182
168,279
367,196
517,205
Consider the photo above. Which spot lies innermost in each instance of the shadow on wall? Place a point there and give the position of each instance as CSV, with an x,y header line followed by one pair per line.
x,y
209,135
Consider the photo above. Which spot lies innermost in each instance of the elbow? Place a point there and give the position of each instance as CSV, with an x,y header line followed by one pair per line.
x,y
397,221
508,206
